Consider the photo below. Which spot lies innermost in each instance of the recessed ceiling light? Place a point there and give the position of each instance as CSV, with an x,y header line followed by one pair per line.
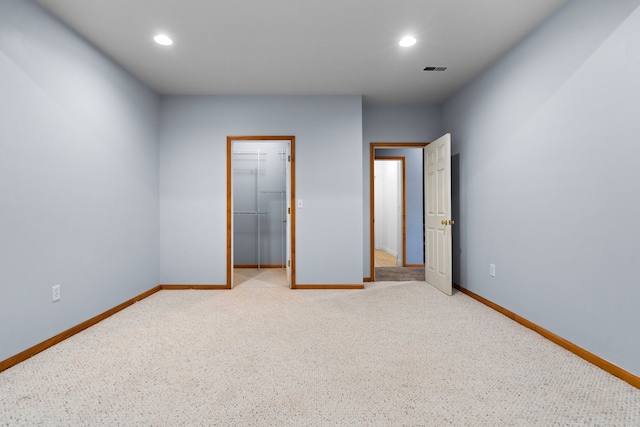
x,y
407,41
163,39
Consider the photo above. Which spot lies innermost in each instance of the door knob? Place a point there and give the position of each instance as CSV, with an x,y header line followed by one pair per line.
x,y
447,222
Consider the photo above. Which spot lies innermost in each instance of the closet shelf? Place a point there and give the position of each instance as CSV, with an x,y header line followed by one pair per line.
x,y
249,153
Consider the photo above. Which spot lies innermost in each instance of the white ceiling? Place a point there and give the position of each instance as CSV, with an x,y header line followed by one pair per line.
x,y
305,46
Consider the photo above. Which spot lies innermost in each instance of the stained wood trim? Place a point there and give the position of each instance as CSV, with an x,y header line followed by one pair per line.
x,y
176,287
367,279
21,357
568,345
414,265
229,213
402,160
399,144
372,236
329,286
293,212
262,138
292,140
372,153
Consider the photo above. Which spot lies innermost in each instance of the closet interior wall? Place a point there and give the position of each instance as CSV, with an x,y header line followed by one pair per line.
x,y
259,203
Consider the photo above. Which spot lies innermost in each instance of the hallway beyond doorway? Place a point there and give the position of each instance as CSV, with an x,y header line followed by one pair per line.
x,y
385,259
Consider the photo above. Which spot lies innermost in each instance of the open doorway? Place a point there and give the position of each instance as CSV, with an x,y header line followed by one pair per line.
x,y
390,211
260,221
410,262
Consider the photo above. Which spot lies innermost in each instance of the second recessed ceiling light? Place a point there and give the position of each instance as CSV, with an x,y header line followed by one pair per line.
x,y
408,41
163,39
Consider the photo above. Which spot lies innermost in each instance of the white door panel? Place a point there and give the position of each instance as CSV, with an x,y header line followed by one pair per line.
x,y
437,166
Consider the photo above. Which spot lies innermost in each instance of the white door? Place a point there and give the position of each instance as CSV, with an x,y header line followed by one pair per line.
x,y
437,188
288,213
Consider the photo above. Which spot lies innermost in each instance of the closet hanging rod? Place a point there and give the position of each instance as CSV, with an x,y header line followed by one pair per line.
x,y
250,153
249,213
272,191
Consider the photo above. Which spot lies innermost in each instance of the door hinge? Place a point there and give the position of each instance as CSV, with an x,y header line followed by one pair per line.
x,y
289,263
289,158
289,211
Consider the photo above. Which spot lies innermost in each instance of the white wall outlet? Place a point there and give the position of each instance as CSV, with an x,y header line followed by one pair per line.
x,y
56,292
492,270
300,203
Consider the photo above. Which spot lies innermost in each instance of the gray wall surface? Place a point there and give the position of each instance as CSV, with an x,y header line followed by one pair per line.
x,y
547,142
328,154
78,180
394,123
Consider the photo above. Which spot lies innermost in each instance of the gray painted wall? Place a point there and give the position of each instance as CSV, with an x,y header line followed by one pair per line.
x,y
397,123
328,131
547,145
78,180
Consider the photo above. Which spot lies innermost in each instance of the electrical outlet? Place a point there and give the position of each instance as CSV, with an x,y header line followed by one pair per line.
x,y
300,203
492,270
56,292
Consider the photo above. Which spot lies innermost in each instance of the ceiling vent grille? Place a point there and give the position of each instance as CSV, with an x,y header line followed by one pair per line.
x,y
435,68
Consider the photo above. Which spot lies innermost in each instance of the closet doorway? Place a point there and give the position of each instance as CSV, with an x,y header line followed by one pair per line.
x,y
260,221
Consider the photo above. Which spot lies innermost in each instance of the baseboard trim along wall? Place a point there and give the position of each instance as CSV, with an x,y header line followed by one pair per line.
x,y
203,287
298,286
413,265
21,357
579,351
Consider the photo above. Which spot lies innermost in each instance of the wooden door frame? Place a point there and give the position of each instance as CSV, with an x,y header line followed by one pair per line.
x,y
402,160
292,215
372,154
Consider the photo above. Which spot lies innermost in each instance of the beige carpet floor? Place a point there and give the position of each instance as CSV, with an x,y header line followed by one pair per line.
x,y
393,354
